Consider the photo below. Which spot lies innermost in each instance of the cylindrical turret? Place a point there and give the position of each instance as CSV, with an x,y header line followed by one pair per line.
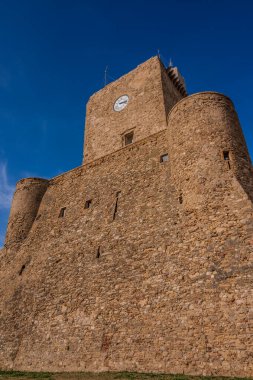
x,y
206,141
24,208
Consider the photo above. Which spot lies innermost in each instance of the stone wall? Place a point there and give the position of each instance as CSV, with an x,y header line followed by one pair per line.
x,y
138,280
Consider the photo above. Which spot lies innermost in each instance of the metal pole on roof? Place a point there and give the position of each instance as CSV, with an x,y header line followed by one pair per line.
x,y
106,75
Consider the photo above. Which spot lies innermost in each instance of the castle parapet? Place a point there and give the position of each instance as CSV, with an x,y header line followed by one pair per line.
x,y
24,208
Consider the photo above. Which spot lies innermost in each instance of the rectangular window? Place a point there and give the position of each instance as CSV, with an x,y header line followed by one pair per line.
x,y
116,205
128,138
164,158
226,157
88,203
62,212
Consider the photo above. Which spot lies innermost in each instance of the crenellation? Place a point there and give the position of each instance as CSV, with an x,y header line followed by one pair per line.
x,y
141,258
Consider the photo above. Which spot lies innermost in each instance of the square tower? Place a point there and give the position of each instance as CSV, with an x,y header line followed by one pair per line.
x,y
131,108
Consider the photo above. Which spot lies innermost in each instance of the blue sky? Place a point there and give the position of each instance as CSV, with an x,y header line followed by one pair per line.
x,y
53,54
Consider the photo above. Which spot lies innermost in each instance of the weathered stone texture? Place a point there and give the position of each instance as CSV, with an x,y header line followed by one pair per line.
x,y
156,275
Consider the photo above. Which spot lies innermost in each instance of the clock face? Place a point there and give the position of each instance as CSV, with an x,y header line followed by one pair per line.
x,y
121,103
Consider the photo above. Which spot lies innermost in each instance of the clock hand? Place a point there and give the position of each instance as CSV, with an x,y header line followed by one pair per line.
x,y
123,102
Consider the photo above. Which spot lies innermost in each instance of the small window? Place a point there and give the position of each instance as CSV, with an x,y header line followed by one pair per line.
x,y
98,253
164,158
21,270
62,212
116,205
128,138
88,203
226,157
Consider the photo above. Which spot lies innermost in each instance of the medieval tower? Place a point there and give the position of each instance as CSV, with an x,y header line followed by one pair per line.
x,y
141,258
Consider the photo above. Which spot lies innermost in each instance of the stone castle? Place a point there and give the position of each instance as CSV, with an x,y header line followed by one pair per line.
x,y
141,258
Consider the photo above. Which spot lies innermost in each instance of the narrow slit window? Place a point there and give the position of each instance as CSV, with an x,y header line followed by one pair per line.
x,y
98,253
88,203
164,158
128,138
62,212
116,205
226,157
180,198
21,270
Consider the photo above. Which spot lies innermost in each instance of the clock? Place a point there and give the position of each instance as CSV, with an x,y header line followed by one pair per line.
x,y
121,103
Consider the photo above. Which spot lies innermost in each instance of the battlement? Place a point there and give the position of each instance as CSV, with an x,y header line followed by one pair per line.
x,y
177,79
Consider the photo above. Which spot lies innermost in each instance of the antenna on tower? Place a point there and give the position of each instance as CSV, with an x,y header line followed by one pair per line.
x,y
158,53
106,75
170,63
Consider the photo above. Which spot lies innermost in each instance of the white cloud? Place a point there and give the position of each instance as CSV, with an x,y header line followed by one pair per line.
x,y
6,189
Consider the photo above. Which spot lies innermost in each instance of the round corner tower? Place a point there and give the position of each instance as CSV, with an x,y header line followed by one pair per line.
x,y
206,146
24,208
